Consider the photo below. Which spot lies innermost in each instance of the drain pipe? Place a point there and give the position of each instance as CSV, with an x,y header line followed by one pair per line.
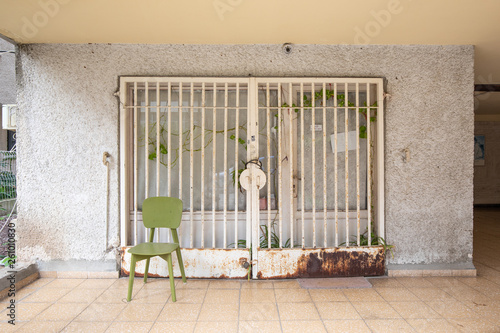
x,y
105,161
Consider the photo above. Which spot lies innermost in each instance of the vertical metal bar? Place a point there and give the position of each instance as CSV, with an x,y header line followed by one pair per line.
x,y
346,133
225,165
136,166
181,148
252,153
280,205
236,160
368,164
313,161
214,168
169,144
290,161
191,165
202,189
380,161
268,122
158,157
146,149
302,158
324,169
169,139
335,163
125,161
358,209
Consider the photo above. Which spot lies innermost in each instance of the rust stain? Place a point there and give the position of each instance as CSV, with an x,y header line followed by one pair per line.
x,y
341,263
348,262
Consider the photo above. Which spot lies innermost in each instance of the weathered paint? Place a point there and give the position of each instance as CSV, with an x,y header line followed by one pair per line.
x,y
198,263
331,262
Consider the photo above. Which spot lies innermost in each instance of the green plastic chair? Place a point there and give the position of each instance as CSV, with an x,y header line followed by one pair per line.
x,y
158,212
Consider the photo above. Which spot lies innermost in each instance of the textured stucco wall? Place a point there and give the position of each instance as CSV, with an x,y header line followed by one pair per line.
x,y
69,117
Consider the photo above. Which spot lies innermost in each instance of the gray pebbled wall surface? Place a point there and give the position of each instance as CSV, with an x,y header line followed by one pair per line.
x,y
68,117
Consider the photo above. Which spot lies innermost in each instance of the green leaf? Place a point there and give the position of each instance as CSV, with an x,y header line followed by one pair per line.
x,y
152,156
163,150
362,132
232,137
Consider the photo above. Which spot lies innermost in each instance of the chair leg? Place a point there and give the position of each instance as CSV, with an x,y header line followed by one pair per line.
x,y
181,264
171,277
133,260
146,271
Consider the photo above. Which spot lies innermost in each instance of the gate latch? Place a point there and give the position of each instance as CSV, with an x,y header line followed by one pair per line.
x,y
253,176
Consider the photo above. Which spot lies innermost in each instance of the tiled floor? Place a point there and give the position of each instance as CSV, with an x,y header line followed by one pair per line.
x,y
433,304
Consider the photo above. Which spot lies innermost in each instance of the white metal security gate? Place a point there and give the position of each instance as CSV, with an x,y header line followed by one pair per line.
x,y
318,142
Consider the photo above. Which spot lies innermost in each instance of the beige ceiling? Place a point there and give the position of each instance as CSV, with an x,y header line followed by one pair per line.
x,y
473,22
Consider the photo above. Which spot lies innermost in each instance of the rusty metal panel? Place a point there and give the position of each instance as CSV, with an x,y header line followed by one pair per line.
x,y
326,262
198,263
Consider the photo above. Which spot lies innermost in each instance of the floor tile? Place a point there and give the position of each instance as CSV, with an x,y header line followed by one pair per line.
x,y
257,296
25,311
180,312
396,294
216,327
286,284
327,295
42,326
101,312
257,284
20,295
140,312
414,310
452,309
292,295
224,284
78,295
122,283
363,295
218,312
161,283
389,326
64,283
431,294
193,284
39,283
432,325
85,327
115,296
442,282
258,311
189,296
130,327
346,326
473,325
259,327
375,310
159,296
415,282
297,311
96,283
298,326
173,327
45,295
385,282
337,310
222,296
5,327
61,311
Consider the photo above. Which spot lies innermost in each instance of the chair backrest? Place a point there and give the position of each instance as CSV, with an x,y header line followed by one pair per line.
x,y
162,212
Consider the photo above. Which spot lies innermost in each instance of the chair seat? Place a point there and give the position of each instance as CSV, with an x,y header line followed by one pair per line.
x,y
150,249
